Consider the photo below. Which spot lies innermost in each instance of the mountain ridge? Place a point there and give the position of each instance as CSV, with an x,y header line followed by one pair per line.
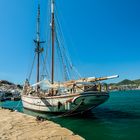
x,y
127,82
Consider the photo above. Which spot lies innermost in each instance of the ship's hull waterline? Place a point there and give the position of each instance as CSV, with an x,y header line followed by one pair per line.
x,y
64,103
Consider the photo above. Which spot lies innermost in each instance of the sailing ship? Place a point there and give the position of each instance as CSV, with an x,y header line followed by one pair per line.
x,y
70,94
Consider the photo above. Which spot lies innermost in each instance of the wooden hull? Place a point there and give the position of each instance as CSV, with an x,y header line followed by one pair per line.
x,y
63,103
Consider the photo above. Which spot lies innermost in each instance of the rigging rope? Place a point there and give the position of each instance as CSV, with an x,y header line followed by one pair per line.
x,y
67,64
29,77
64,50
61,55
64,55
59,25
62,66
44,68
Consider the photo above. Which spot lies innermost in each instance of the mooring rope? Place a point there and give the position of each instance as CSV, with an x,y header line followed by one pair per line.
x,y
15,108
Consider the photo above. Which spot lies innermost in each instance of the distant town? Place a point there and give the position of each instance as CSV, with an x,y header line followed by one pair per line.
x,y
6,86
11,91
125,85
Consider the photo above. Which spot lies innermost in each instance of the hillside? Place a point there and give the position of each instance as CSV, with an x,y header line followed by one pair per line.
x,y
126,82
8,86
137,81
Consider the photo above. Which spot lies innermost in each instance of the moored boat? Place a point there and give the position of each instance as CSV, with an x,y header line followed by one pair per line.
x,y
68,95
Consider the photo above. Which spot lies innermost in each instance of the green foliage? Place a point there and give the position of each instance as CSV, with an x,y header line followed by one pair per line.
x,y
126,82
137,81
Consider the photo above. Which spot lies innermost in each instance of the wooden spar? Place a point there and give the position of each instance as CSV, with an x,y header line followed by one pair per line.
x,y
38,49
83,81
38,44
102,78
52,29
89,79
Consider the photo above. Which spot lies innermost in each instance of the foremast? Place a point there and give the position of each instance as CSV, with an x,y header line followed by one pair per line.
x,y
38,48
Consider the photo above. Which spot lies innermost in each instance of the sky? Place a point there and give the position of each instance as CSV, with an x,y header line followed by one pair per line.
x,y
102,36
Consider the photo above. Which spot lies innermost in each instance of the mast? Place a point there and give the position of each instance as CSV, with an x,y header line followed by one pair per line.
x,y
52,32
38,48
38,43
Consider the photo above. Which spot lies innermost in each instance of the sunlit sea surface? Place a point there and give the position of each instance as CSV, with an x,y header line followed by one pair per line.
x,y
117,119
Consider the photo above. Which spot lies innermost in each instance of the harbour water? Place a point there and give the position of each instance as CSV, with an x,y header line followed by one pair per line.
x,y
117,119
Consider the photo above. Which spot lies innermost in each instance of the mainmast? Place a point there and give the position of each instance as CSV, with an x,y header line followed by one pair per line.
x,y
53,35
38,48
